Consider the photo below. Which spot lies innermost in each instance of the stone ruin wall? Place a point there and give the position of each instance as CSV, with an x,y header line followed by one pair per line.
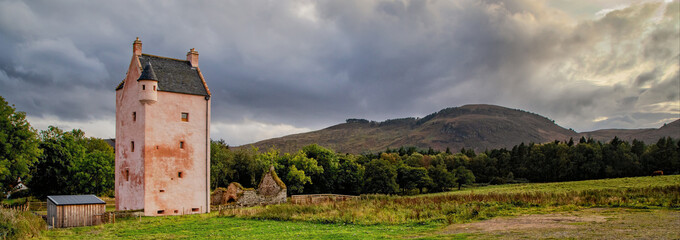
x,y
270,191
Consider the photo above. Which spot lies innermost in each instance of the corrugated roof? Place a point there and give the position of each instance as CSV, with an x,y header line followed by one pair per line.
x,y
174,75
75,199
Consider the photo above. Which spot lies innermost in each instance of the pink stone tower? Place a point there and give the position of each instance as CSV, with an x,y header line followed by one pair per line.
x,y
163,136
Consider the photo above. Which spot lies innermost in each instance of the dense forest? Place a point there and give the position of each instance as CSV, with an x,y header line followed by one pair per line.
x,y
408,170
54,161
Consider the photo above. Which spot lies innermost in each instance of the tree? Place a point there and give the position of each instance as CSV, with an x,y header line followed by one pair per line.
x,y
18,146
380,177
326,158
296,180
465,176
297,169
221,161
350,176
72,164
415,160
94,173
410,178
442,179
52,173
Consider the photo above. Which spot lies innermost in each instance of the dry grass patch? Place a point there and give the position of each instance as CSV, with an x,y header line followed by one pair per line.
x,y
594,223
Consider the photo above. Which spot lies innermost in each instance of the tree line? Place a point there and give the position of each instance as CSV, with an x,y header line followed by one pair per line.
x,y
55,161
409,170
52,161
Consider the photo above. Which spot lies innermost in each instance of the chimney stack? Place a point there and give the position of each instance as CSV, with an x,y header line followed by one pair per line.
x,y
192,57
137,47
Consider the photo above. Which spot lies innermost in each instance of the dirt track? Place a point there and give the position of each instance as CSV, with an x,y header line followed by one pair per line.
x,y
586,224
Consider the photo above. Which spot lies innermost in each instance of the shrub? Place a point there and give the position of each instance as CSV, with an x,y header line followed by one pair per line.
x,y
20,225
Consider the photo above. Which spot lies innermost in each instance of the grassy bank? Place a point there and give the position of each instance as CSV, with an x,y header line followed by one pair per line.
x,y
481,203
20,225
380,216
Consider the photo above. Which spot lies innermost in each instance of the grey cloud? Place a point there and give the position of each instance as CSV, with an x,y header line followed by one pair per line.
x,y
646,77
273,63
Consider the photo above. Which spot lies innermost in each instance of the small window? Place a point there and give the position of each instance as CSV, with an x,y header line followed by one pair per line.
x,y
179,174
160,211
181,145
194,209
132,146
176,211
154,88
134,116
162,190
185,117
143,87
127,174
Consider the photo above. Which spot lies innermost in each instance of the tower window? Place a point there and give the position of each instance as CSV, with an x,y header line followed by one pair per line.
x,y
127,174
143,87
162,190
134,116
154,88
179,174
185,117
181,145
132,146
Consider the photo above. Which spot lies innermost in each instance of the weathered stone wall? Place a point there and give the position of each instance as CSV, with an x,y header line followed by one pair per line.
x,y
319,198
270,191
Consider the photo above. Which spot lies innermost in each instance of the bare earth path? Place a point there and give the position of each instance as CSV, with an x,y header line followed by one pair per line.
x,y
596,223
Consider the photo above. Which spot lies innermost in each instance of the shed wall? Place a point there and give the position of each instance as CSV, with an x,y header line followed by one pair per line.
x,y
74,215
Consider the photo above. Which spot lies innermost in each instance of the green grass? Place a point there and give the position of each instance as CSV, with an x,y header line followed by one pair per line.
x,y
381,216
562,187
212,226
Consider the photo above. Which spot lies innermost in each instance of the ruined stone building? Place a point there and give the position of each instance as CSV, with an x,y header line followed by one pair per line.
x,y
162,136
271,190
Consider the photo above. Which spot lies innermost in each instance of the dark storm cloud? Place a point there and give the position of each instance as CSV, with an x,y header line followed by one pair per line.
x,y
277,66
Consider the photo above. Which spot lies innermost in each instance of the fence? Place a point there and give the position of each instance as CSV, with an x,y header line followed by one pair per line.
x,y
18,207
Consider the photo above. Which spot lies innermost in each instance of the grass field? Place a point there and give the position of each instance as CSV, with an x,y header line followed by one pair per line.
x,y
624,202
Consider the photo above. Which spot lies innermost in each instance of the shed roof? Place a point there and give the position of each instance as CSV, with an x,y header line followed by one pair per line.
x,y
173,75
75,199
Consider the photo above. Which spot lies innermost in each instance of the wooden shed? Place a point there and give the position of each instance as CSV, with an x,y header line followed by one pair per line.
x,y
74,210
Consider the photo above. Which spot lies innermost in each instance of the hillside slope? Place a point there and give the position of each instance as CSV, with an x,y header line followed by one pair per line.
x,y
478,127
650,135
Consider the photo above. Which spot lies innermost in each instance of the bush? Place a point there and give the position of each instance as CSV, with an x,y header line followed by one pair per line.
x,y
20,225
498,181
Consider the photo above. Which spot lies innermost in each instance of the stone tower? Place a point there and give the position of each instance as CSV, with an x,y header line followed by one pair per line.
x,y
163,136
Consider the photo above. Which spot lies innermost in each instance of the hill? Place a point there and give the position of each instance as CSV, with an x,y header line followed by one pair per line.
x,y
478,127
650,135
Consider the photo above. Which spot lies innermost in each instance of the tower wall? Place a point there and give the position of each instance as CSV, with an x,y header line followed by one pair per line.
x,y
176,155
129,164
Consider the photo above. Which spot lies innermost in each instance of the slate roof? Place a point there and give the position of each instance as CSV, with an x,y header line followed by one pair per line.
x,y
148,73
173,75
75,199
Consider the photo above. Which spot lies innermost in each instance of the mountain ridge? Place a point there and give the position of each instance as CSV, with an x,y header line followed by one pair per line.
x,y
476,126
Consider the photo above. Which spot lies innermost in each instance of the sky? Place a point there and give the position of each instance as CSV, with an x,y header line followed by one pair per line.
x,y
281,67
